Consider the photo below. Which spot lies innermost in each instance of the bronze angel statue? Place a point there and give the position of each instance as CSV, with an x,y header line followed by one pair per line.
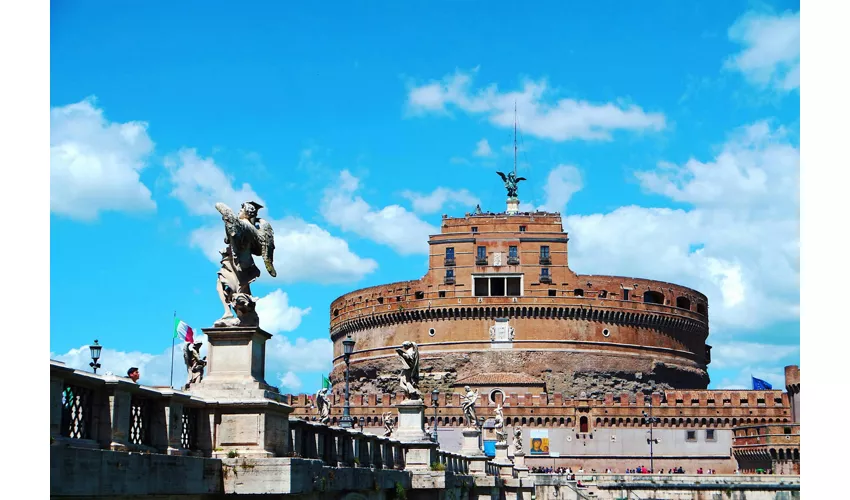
x,y
246,235
511,181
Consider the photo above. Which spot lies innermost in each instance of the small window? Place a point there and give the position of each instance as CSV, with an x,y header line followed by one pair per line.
x,y
336,312
544,252
450,273
709,435
442,294
625,294
694,401
522,229
787,430
691,436
711,401
602,294
544,271
398,299
777,401
474,229
553,293
760,401
727,401
380,300
744,401
701,309
450,253
420,295
578,292
653,297
683,303
482,252
512,253
680,401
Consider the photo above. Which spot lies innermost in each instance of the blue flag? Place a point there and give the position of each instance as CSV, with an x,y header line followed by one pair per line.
x,y
760,385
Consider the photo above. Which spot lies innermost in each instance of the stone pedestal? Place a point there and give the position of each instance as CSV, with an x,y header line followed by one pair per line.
x,y
502,461
519,465
513,206
249,416
419,448
472,449
236,364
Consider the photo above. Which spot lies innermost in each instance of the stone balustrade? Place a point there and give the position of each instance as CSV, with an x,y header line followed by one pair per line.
x,y
340,447
109,412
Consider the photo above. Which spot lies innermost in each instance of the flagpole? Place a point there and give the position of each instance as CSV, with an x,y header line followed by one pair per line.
x,y
172,351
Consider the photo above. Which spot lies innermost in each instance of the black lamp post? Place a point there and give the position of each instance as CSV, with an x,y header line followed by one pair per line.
x,y
95,355
435,400
362,421
346,421
647,417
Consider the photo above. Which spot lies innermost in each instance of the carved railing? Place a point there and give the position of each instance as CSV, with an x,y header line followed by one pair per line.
x,y
336,446
453,462
109,412
491,469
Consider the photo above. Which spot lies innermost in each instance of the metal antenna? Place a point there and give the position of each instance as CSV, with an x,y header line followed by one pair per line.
x,y
515,139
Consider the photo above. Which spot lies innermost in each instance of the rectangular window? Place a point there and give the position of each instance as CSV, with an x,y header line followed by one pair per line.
x,y
512,253
522,229
553,293
474,229
694,401
691,436
514,289
442,294
482,252
727,401
482,288
680,401
497,287
625,294
744,401
709,435
544,252
450,273
544,271
760,401
711,401
450,253
787,430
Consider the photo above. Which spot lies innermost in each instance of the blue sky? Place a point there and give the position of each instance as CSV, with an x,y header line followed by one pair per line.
x,y
667,134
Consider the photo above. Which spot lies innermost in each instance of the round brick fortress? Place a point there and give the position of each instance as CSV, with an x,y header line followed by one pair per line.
x,y
499,297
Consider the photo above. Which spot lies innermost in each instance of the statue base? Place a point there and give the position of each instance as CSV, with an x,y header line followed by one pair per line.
x,y
236,365
519,464
471,446
411,422
513,206
502,461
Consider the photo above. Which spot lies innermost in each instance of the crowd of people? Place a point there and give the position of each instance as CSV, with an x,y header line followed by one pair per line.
x,y
638,470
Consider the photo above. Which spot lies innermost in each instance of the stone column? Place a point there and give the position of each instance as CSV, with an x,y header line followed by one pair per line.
x,y
119,420
56,386
502,461
519,464
418,446
174,428
472,451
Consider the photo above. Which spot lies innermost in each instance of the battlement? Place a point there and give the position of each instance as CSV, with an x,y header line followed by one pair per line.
x,y
716,408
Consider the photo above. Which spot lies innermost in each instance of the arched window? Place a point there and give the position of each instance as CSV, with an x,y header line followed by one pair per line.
x,y
683,302
653,297
497,396
583,426
578,292
701,309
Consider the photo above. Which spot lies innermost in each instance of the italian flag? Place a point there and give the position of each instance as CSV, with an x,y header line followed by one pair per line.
x,y
183,330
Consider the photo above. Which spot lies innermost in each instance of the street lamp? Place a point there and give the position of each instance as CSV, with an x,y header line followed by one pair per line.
x,y
95,355
647,417
347,348
362,421
435,400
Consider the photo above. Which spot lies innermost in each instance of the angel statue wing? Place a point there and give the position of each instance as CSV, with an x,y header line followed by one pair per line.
x,y
230,219
521,179
266,234
187,358
504,179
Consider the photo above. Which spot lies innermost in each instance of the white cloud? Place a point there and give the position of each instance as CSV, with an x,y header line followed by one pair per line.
x,y
303,251
741,377
95,164
290,381
392,225
770,55
561,184
482,148
440,197
277,315
738,242
736,354
537,113
199,183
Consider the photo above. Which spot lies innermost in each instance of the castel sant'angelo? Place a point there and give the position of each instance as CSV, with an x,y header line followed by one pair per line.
x,y
581,357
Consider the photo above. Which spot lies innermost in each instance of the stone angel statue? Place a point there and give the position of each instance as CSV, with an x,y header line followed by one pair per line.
x,y
518,441
409,377
468,405
194,363
323,405
245,235
511,181
499,426
389,424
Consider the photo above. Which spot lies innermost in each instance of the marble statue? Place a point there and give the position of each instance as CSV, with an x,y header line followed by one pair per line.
x,y
323,405
499,426
245,235
518,441
409,377
194,363
511,181
389,424
468,404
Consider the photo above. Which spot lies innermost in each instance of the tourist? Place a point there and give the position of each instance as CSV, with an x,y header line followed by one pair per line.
x,y
133,373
